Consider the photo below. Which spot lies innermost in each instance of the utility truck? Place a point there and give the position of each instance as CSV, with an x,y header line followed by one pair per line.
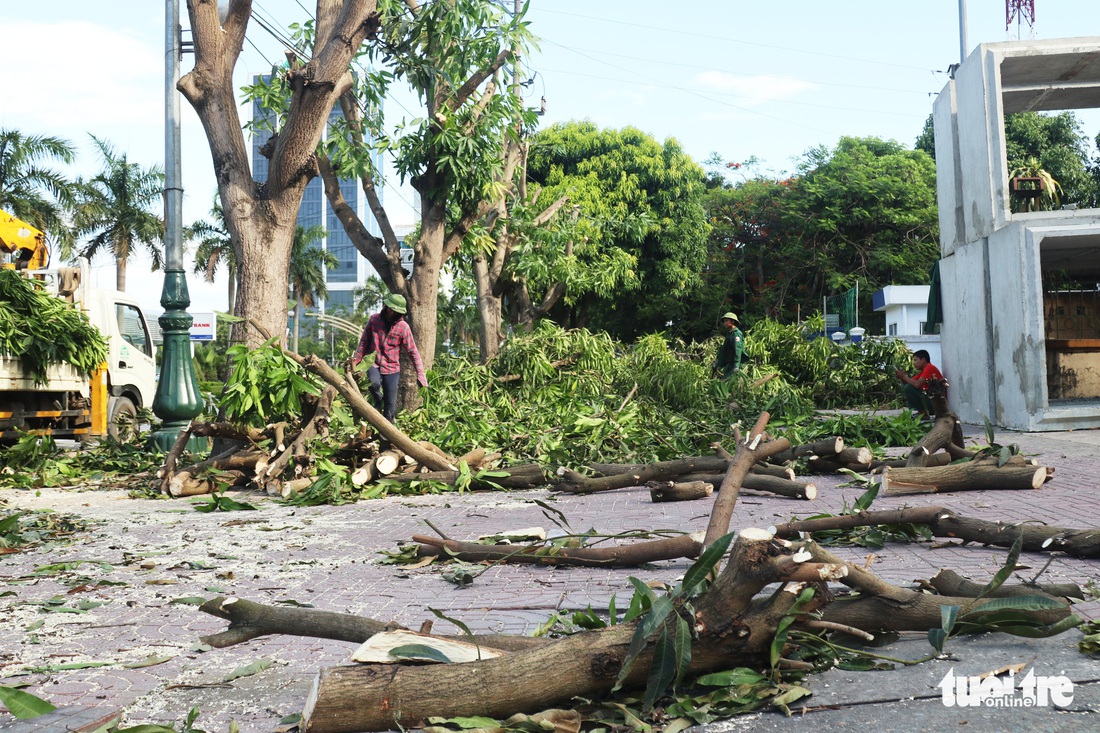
x,y
69,403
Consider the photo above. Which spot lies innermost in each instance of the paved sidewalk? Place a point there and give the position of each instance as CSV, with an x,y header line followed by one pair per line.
x,y
142,555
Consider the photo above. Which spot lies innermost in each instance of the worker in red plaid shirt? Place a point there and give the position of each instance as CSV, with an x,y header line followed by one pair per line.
x,y
385,335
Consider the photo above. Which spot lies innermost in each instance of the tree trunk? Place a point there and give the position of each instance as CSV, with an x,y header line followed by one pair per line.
x,y
120,274
261,217
490,310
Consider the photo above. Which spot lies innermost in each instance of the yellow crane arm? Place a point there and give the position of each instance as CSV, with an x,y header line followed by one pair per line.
x,y
19,237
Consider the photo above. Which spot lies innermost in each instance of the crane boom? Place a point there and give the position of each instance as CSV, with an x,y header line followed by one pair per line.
x,y
20,238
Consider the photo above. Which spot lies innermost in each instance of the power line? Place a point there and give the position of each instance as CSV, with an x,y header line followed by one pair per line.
x,y
736,73
616,21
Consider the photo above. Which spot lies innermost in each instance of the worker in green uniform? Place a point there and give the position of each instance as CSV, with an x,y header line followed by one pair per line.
x,y
729,353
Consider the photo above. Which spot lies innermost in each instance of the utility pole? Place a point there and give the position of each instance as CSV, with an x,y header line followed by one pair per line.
x,y
962,31
178,399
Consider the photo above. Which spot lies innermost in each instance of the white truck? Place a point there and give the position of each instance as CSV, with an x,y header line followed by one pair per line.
x,y
72,405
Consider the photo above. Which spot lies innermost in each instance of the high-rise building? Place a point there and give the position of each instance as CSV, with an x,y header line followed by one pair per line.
x,y
352,269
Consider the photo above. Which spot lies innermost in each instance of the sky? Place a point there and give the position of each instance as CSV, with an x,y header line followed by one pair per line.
x,y
762,81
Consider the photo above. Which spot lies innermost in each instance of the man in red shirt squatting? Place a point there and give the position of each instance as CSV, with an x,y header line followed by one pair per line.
x,y
385,335
915,386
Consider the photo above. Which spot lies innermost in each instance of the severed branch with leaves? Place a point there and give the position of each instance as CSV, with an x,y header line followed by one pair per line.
x,y
746,613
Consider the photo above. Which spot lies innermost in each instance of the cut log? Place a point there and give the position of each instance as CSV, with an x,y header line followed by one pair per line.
x,y
946,524
769,469
732,631
363,475
750,450
315,426
527,476
660,491
387,462
632,555
945,431
473,458
577,483
824,448
853,459
249,620
758,482
949,583
196,480
970,476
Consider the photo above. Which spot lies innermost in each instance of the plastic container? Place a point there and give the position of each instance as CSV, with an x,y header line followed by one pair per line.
x,y
856,334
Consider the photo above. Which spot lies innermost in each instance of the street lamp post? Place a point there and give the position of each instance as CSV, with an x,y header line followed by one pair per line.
x,y
178,399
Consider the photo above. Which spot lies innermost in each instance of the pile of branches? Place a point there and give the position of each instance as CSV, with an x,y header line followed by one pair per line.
x,y
41,329
748,613
285,458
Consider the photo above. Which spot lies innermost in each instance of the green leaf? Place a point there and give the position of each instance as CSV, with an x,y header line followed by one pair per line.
x,y
189,600
796,692
697,574
937,638
732,678
1006,571
1005,454
662,670
249,669
1019,603
682,648
469,723
145,728
660,610
24,705
948,614
418,651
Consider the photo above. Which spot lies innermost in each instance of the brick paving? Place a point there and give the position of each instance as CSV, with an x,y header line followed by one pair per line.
x,y
154,552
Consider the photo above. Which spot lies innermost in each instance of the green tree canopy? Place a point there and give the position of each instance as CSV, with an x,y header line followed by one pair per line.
x,y
636,197
862,211
1055,140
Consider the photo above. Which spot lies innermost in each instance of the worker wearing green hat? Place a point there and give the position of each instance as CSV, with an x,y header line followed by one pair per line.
x,y
731,350
386,335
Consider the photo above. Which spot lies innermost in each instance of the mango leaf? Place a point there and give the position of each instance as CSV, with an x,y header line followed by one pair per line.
x,y
682,648
466,723
937,638
660,610
1019,603
249,669
1006,571
948,616
796,692
189,600
24,705
419,651
1005,454
67,667
662,670
697,574
732,678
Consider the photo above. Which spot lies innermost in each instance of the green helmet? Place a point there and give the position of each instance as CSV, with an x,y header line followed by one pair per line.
x,y
730,315
396,303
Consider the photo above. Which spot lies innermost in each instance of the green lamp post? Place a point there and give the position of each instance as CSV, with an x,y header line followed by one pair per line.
x,y
178,399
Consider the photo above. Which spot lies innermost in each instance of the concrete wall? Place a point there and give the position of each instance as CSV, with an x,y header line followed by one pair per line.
x,y
993,335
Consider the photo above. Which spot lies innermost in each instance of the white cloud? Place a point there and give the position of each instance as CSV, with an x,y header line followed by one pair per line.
x,y
79,75
752,89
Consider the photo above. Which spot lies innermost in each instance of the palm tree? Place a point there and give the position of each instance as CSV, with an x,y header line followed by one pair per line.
x,y
307,275
33,191
215,248
114,210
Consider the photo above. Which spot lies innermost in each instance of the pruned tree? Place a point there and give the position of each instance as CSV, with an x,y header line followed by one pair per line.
x,y
261,217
